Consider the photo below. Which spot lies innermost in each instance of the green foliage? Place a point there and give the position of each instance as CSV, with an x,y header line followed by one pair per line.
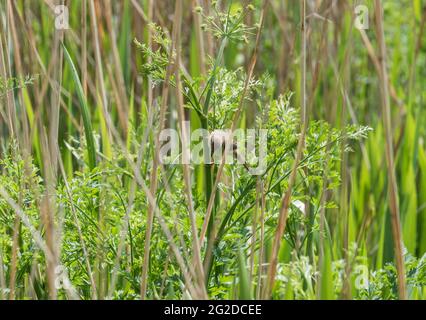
x,y
84,111
10,84
338,235
229,24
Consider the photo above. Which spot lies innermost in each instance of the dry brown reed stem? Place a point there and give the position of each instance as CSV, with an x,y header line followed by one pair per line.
x,y
234,122
16,228
47,74
52,151
387,122
35,234
150,91
152,202
84,46
47,215
321,50
121,99
141,183
55,102
80,233
2,277
132,196
101,95
45,247
140,11
285,202
375,60
185,152
4,72
199,37
155,165
254,228
163,26
345,180
14,258
262,239
154,176
24,132
138,178
98,59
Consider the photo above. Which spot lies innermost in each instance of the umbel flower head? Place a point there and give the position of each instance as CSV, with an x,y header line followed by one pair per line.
x,y
228,24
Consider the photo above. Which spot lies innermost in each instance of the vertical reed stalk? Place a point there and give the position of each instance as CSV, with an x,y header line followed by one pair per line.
x,y
234,122
387,122
285,202
185,152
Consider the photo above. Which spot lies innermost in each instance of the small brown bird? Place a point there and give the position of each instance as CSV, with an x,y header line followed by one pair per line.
x,y
219,139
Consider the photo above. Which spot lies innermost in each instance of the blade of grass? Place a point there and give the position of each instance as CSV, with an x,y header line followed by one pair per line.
x,y
84,108
392,183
